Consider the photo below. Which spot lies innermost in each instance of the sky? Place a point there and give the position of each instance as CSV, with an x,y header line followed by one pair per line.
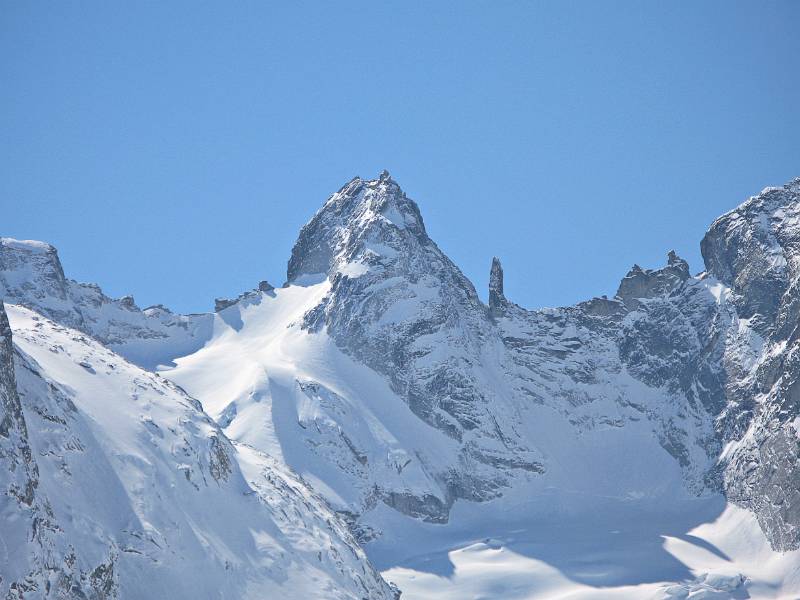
x,y
173,150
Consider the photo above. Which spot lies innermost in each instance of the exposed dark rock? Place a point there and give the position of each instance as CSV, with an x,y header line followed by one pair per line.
x,y
497,299
645,283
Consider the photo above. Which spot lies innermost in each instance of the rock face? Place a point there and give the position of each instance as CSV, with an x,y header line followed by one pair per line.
x,y
26,522
115,484
39,559
640,284
16,452
755,252
497,299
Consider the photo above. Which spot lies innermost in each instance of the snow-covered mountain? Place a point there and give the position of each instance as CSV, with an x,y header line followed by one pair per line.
x,y
424,417
117,484
648,381
31,273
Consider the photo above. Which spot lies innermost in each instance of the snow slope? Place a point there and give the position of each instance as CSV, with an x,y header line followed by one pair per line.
x,y
297,397
143,492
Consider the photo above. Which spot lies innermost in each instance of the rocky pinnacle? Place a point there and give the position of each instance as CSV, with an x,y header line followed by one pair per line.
x,y
497,299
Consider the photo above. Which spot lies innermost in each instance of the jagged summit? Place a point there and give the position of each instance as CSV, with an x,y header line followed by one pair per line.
x,y
642,283
755,248
365,216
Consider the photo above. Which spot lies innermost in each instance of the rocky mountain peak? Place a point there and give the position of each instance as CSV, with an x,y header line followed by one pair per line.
x,y
365,217
673,260
755,249
30,267
642,283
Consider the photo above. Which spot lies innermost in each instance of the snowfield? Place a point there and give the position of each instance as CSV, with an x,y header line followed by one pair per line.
x,y
612,553
135,476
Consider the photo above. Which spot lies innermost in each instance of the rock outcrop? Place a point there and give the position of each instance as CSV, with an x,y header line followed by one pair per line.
x,y
640,284
497,299
31,275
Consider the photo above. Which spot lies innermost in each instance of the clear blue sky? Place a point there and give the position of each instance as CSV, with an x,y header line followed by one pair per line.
x,y
173,149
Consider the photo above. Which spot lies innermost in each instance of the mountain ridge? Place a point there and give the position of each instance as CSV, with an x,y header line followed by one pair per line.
x,y
379,376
